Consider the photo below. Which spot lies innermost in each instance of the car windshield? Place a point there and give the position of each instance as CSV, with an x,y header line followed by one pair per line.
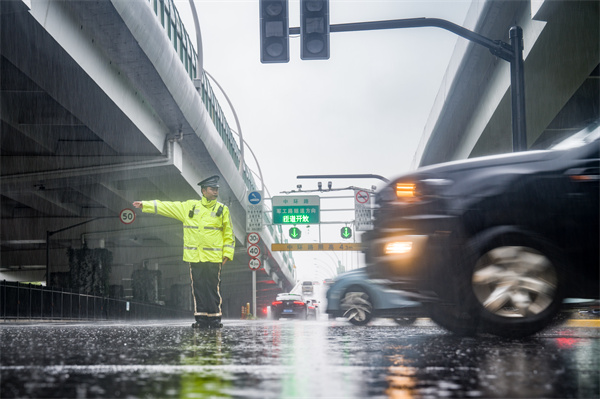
x,y
580,138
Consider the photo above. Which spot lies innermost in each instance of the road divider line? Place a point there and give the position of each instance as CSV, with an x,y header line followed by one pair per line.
x,y
583,323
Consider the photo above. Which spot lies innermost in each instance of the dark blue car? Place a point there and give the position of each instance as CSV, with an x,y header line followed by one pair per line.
x,y
358,298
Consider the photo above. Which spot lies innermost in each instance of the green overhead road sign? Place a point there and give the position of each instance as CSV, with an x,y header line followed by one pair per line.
x,y
296,209
295,233
346,232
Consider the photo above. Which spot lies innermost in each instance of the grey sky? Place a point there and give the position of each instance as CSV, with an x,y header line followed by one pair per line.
x,y
361,111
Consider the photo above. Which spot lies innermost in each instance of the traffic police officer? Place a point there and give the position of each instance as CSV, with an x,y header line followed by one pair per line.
x,y
207,245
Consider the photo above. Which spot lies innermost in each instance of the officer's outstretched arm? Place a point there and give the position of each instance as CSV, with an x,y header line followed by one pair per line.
x,y
172,209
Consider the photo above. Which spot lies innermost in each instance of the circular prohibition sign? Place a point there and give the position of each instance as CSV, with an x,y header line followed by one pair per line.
x,y
254,264
127,216
253,238
362,197
254,251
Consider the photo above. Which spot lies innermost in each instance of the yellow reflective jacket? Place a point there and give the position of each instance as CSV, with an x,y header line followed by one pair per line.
x,y
207,233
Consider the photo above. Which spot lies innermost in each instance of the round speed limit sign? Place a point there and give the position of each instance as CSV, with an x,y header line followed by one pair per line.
x,y
253,238
254,264
254,251
127,216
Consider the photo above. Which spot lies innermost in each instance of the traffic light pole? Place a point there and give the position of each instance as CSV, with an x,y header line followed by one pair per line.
x,y
512,53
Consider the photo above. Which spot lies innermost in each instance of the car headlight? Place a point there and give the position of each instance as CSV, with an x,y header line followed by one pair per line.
x,y
398,247
401,252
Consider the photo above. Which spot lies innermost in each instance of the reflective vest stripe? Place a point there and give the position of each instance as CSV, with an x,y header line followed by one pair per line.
x,y
192,248
190,227
229,246
212,228
212,249
207,314
155,208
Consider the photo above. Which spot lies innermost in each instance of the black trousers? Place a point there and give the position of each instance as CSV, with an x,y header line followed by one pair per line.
x,y
206,289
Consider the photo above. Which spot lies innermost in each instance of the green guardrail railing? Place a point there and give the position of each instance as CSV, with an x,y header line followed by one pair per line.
x,y
169,18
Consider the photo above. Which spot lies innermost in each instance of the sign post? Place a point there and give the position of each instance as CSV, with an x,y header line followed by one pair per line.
x,y
254,293
253,239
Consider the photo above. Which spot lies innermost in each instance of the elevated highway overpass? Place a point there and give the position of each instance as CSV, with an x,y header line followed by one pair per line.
x,y
471,115
101,105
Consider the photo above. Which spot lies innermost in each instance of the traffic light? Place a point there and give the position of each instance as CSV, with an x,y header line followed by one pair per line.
x,y
314,29
274,31
295,233
346,232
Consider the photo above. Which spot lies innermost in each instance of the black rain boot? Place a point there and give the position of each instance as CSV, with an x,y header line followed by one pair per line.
x,y
214,322
201,322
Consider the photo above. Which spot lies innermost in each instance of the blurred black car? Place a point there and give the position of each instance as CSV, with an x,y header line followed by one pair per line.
x,y
500,241
289,306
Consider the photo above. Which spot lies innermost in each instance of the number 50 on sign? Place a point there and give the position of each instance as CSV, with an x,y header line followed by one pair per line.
x,y
127,216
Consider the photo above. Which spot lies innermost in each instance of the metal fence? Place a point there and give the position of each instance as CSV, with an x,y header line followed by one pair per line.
x,y
27,301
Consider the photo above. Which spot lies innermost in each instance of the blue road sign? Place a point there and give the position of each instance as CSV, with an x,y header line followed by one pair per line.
x,y
254,198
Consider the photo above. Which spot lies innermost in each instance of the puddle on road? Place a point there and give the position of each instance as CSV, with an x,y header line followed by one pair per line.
x,y
288,359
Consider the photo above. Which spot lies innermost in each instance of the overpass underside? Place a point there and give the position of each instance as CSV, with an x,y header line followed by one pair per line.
x,y
471,116
99,109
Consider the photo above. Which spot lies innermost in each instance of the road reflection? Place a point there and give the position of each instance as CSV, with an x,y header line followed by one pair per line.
x,y
292,359
205,349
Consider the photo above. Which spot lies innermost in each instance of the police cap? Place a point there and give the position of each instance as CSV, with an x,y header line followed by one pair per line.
x,y
212,181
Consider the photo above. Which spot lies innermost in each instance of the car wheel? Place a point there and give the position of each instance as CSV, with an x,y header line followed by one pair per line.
x,y
357,306
516,284
405,321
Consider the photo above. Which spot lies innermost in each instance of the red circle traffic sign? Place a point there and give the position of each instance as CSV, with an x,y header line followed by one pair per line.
x,y
253,238
127,216
362,197
254,264
254,251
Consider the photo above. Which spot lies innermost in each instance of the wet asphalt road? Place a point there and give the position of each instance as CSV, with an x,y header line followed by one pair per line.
x,y
291,359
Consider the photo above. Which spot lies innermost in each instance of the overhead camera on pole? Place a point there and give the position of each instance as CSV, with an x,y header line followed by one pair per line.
x,y
274,31
314,29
